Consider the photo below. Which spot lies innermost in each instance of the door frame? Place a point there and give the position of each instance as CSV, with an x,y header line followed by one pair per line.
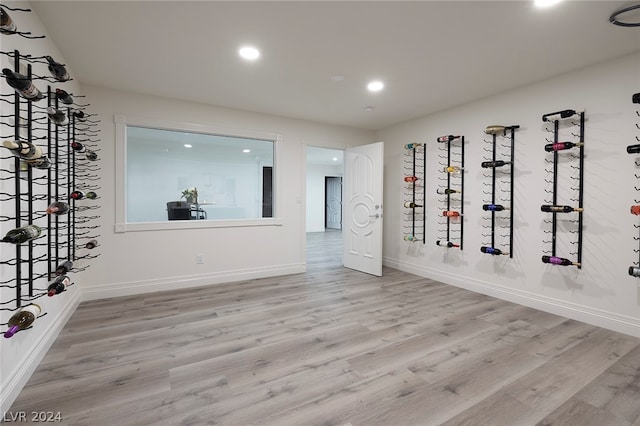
x,y
326,200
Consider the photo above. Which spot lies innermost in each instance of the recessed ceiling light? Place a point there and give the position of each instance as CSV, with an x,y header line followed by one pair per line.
x,y
249,53
335,158
246,151
188,145
375,86
545,3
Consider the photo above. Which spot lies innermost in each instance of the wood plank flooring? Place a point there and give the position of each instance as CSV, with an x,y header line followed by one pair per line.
x,y
333,347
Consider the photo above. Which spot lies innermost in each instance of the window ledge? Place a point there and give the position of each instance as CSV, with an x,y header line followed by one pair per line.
x,y
194,224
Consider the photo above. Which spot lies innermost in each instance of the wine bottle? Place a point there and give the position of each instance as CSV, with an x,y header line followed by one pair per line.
x,y
7,25
77,195
91,244
58,208
494,130
78,147
64,97
452,169
634,271
411,205
493,251
57,70
22,319
635,210
22,234
22,85
448,191
636,98
448,244
451,213
447,138
412,145
40,163
56,116
494,207
553,116
23,149
560,146
558,261
411,238
497,163
410,178
559,209
633,149
58,285
64,267
91,195
91,155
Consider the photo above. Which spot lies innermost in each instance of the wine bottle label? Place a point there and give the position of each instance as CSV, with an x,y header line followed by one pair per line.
x,y
33,309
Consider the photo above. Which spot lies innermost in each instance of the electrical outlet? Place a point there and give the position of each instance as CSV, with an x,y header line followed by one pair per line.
x,y
199,259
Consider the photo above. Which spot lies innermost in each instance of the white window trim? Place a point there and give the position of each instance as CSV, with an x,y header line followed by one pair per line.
x,y
121,225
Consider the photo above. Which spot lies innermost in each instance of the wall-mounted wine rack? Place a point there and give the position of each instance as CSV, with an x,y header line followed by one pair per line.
x,y
501,164
451,189
634,269
55,124
570,125
415,160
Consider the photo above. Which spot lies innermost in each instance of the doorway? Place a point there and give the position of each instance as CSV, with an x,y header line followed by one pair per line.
x,y
333,202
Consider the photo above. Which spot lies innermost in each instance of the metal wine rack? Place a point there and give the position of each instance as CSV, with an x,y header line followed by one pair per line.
x,y
451,188
414,164
564,149
26,191
501,166
634,269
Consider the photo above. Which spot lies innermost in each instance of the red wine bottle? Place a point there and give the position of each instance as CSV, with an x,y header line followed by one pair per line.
x,y
91,244
634,271
58,285
64,267
78,147
633,149
7,25
494,130
91,155
494,207
493,251
64,97
411,205
58,208
77,195
22,85
553,116
22,319
56,116
635,210
448,244
57,70
447,138
559,209
410,178
448,191
491,164
560,146
22,234
558,261
451,213
636,98
79,115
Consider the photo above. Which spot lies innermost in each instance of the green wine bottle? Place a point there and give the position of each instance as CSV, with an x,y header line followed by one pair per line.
x,y
22,235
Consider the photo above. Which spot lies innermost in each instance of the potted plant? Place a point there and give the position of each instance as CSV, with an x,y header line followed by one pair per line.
x,y
190,195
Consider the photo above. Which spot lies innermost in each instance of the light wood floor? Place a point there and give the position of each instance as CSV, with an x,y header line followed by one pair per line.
x,y
333,347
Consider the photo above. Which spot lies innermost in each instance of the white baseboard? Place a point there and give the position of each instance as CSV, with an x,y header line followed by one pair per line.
x,y
12,386
610,320
187,281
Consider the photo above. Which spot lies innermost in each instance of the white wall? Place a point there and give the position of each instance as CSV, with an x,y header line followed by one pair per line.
x,y
315,194
21,354
602,292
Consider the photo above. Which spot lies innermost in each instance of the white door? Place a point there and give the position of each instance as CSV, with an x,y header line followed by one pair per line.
x,y
333,208
362,225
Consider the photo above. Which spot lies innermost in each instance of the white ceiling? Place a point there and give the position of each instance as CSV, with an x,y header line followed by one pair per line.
x,y
432,55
